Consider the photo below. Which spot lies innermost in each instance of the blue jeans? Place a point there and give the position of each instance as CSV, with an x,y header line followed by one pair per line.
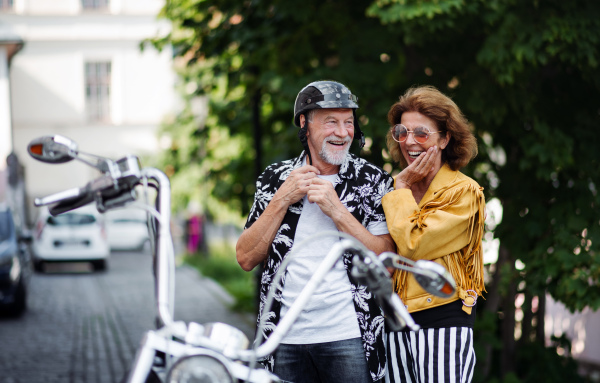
x,y
342,361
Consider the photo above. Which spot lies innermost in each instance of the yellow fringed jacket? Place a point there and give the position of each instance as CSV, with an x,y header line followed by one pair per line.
x,y
445,227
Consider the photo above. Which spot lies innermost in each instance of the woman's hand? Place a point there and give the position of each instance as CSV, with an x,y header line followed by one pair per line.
x,y
418,170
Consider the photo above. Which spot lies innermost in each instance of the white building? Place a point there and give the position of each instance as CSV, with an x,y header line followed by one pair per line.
x,y
581,328
81,73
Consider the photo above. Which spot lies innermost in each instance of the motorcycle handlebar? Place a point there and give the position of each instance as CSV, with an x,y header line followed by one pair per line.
x,y
63,196
107,191
70,204
369,271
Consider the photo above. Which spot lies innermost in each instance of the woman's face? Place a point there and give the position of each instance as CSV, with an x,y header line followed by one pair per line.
x,y
411,149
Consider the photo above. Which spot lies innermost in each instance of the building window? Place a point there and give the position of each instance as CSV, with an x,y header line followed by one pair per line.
x,y
97,90
94,4
6,5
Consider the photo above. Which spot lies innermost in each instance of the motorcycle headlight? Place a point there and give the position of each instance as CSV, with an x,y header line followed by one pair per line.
x,y
223,338
204,368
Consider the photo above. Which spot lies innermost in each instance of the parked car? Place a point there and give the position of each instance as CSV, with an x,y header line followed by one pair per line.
x,y
15,264
78,235
127,229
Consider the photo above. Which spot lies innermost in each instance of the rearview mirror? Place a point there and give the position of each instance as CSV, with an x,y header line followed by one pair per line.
x,y
434,278
52,149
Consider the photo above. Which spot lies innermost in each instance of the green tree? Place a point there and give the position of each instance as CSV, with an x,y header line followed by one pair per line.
x,y
251,59
524,72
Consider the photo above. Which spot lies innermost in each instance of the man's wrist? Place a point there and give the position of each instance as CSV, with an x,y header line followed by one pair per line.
x,y
280,202
340,217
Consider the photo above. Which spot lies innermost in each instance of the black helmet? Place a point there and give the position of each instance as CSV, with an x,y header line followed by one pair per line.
x,y
323,94
327,95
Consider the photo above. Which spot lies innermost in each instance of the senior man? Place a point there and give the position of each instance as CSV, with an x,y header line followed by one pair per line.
x,y
339,336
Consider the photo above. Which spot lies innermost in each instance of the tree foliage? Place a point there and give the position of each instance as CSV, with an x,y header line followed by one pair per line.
x,y
252,58
527,77
525,73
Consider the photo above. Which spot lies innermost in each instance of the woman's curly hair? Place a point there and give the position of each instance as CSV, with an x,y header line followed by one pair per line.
x,y
432,103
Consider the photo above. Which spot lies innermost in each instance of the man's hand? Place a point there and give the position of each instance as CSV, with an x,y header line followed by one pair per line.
x,y
418,170
297,184
253,245
323,194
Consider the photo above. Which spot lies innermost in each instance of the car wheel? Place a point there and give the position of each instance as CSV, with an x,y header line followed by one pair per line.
x,y
100,265
20,304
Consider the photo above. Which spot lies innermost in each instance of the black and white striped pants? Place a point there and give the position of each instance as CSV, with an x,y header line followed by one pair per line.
x,y
431,355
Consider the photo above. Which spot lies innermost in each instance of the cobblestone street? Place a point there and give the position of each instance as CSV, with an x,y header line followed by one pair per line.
x,y
86,327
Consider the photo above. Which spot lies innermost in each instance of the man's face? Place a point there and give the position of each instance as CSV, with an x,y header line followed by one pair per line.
x,y
330,134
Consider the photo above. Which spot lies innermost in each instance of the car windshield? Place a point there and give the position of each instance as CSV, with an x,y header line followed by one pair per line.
x,y
129,220
71,219
6,226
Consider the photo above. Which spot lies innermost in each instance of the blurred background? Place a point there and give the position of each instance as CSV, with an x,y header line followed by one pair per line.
x,y
204,90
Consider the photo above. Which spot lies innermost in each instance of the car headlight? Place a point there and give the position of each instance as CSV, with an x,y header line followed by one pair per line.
x,y
10,266
204,368
15,271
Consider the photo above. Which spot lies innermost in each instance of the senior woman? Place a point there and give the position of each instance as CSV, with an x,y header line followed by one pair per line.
x,y
436,213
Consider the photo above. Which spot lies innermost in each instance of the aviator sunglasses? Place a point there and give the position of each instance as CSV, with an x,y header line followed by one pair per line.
x,y
420,133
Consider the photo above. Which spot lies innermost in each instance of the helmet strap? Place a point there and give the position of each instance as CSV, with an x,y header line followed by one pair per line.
x,y
304,139
361,139
361,135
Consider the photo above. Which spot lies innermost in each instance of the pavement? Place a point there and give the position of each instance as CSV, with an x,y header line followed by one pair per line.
x,y
84,326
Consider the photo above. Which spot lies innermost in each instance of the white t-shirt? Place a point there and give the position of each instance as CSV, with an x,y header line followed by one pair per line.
x,y
329,315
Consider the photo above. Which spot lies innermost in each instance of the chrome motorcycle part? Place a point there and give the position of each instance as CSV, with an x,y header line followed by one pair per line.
x,y
208,367
53,149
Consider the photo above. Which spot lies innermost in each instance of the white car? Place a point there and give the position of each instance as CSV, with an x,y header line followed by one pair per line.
x,y
77,235
127,229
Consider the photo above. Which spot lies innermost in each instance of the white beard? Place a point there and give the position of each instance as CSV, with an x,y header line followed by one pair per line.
x,y
334,157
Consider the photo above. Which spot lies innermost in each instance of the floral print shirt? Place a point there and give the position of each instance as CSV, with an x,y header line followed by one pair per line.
x,y
360,187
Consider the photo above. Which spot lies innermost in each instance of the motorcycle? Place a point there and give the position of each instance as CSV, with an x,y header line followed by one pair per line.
x,y
179,352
